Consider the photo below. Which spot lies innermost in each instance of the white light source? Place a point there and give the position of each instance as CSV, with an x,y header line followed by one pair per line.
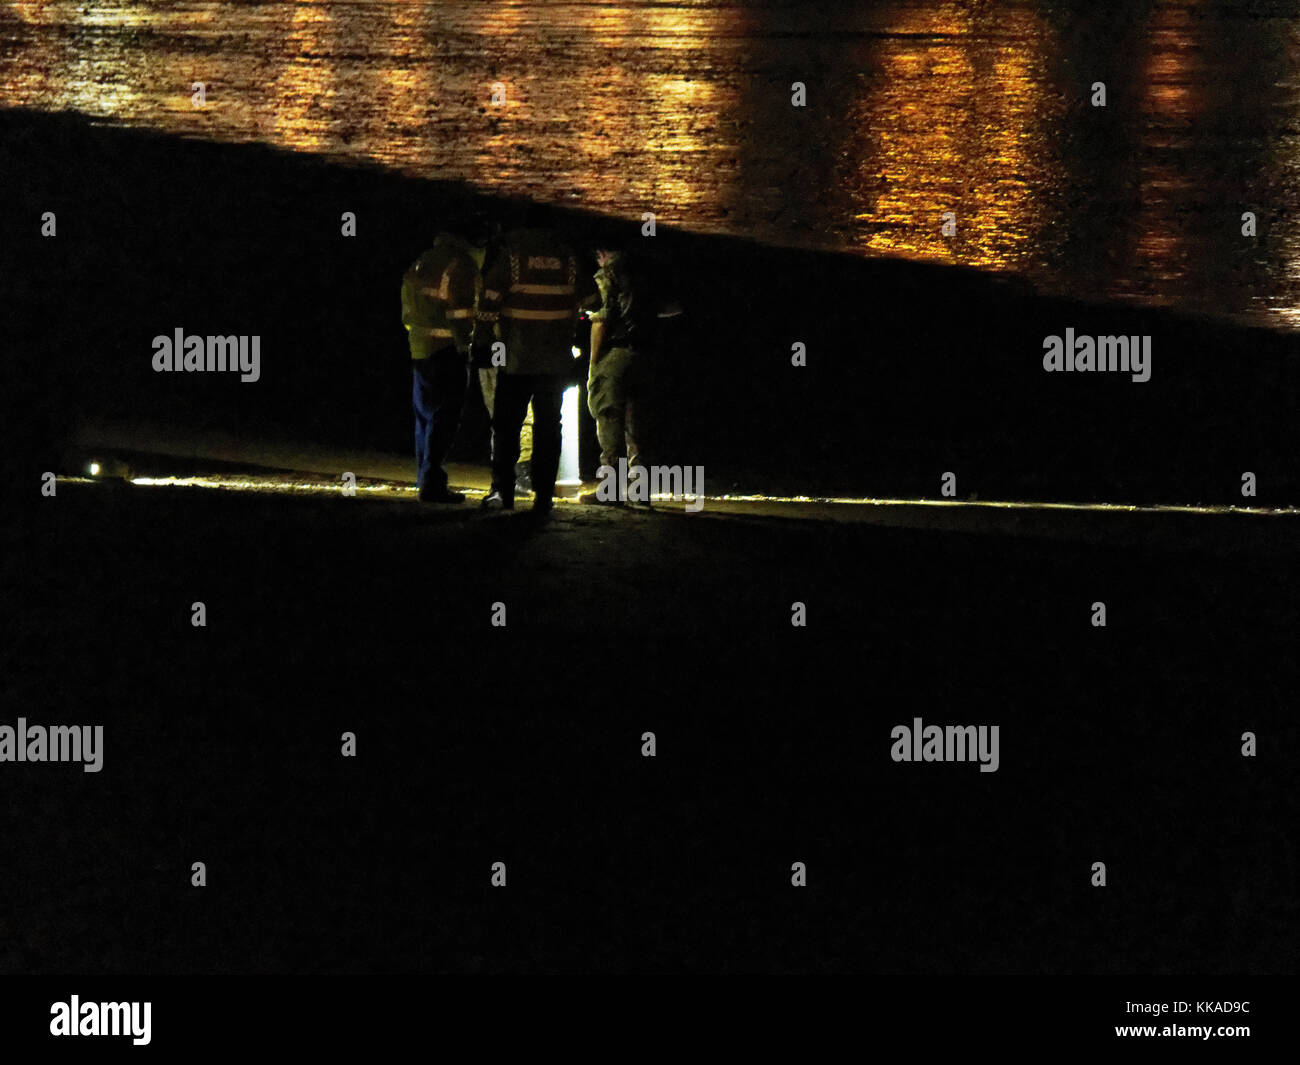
x,y
569,438
94,469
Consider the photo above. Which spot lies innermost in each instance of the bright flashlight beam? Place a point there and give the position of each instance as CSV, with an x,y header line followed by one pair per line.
x,y
569,474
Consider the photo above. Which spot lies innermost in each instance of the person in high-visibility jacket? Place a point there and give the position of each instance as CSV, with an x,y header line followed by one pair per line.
x,y
439,295
530,305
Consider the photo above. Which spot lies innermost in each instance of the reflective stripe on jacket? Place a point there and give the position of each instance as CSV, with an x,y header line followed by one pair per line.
x,y
439,294
530,302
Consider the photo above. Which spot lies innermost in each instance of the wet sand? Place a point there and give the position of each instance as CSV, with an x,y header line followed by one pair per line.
x,y
522,744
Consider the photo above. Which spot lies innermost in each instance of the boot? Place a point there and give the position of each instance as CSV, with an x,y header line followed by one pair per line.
x,y
430,494
523,478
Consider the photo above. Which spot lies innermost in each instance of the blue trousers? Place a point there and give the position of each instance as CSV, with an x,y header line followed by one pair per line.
x,y
437,394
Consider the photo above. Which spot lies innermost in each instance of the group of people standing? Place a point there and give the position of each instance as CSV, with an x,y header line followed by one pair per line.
x,y
509,308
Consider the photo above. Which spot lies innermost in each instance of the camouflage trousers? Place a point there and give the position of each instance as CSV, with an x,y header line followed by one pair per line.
x,y
487,379
614,389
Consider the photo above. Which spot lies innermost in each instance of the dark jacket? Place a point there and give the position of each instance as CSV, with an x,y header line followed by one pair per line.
x,y
530,302
626,306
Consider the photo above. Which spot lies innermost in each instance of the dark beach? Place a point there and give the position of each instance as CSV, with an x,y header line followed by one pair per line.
x,y
480,744
913,370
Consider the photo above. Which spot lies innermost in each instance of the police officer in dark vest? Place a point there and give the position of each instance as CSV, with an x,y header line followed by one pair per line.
x,y
524,327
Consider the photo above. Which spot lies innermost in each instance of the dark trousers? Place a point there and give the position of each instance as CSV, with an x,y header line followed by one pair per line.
x,y
437,394
513,393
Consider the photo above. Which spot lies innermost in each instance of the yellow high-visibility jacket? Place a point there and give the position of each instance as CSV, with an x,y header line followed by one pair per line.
x,y
439,294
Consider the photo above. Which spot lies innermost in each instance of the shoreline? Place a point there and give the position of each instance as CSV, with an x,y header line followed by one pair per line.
x,y
913,370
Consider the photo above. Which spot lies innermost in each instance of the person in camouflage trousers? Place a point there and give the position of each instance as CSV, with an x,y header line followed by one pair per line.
x,y
618,380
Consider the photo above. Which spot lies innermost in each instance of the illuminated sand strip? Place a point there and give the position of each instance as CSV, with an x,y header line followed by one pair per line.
x,y
301,487
253,484
1135,508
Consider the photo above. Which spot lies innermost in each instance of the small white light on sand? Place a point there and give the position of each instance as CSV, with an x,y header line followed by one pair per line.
x,y
577,354
94,469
